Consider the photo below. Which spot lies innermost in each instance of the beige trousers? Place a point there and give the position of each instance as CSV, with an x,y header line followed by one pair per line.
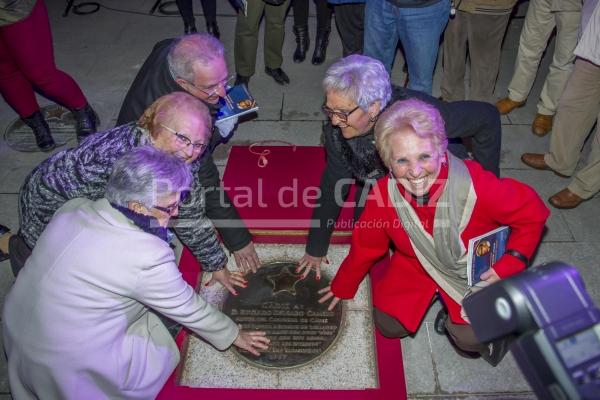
x,y
539,24
578,110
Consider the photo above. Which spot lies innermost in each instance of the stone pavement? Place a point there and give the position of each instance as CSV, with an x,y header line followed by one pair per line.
x,y
103,51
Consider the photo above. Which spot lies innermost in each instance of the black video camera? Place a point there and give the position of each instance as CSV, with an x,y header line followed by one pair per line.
x,y
555,324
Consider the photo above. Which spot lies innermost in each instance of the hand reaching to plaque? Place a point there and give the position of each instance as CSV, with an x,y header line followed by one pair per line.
x,y
328,294
308,262
246,258
228,279
252,341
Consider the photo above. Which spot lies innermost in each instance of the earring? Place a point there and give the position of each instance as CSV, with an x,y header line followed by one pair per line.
x,y
373,119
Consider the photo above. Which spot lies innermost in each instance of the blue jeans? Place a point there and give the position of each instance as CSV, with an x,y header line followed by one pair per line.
x,y
419,31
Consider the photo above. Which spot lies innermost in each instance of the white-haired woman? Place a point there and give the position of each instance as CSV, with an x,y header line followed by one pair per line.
x,y
357,90
87,288
427,208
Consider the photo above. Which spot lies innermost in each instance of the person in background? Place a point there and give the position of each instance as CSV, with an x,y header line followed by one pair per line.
x,y
300,8
350,23
95,273
427,207
177,124
209,8
246,40
195,64
357,90
578,110
541,19
27,63
477,29
417,24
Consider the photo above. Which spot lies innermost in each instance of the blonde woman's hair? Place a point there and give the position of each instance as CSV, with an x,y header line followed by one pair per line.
x,y
419,117
163,109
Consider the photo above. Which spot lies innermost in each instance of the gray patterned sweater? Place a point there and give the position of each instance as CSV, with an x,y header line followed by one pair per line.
x,y
83,171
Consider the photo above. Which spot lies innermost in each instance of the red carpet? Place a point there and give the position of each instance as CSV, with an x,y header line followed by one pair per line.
x,y
263,204
277,200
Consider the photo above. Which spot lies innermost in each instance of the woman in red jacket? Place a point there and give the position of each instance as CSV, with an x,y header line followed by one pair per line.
x,y
428,207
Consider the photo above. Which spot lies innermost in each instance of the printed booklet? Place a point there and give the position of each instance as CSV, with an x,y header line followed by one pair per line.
x,y
484,251
238,102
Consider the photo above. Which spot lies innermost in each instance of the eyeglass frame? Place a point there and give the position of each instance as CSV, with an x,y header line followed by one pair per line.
x,y
169,209
186,141
342,116
224,83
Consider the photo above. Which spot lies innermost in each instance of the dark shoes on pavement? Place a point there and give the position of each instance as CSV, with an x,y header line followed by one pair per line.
x,y
506,105
439,326
86,120
3,231
187,28
43,137
321,44
302,43
565,199
213,29
535,160
278,75
542,124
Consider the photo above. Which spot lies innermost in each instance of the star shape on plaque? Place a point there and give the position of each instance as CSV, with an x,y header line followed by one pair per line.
x,y
284,281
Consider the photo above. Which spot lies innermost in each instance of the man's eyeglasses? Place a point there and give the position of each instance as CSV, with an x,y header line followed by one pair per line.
x,y
341,115
212,90
185,141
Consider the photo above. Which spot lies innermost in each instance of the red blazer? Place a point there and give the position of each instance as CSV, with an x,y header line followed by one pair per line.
x,y
406,291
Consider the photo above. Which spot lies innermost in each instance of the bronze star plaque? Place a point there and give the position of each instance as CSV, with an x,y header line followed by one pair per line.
x,y
279,302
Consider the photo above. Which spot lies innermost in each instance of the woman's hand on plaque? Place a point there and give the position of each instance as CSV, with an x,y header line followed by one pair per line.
x,y
308,262
246,258
228,280
328,294
252,341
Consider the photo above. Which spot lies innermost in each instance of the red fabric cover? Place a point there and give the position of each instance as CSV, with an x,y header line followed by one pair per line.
x,y
389,365
406,290
280,195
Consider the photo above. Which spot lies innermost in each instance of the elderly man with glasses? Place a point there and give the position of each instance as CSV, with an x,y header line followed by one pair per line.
x,y
177,124
195,64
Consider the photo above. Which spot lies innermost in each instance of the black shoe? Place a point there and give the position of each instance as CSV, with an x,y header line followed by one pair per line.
x,y
321,44
278,75
302,43
213,29
189,28
3,231
86,122
240,79
439,326
40,128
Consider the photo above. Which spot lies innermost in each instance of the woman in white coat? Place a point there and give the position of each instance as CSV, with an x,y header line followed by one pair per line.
x,y
76,323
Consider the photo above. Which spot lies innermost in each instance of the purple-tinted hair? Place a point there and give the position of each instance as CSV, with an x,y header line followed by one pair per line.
x,y
364,79
144,174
